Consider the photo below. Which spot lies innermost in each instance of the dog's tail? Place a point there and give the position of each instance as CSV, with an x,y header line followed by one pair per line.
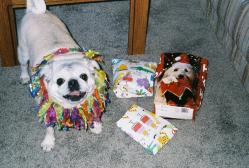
x,y
36,6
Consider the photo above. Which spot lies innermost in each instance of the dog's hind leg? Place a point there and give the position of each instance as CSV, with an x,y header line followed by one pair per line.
x,y
23,58
48,142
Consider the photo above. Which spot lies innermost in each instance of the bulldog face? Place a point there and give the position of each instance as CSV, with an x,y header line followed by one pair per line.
x,y
178,71
69,82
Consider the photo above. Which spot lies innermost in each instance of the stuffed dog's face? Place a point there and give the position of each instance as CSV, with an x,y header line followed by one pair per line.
x,y
69,82
178,71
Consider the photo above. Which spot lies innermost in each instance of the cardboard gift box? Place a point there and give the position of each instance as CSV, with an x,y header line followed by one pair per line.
x,y
179,85
133,78
151,131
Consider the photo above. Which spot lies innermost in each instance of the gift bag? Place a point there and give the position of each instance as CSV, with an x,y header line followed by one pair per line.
x,y
133,78
179,85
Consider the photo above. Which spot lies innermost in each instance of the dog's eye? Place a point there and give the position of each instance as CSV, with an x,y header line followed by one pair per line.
x,y
185,70
60,81
176,69
84,77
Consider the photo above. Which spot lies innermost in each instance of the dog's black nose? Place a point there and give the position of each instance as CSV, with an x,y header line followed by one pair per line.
x,y
73,85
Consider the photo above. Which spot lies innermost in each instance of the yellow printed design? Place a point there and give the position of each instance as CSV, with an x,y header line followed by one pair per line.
x,y
163,139
133,108
117,80
157,122
122,67
125,117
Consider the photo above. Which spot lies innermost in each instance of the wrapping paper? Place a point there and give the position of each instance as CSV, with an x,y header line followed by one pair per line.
x,y
133,78
151,131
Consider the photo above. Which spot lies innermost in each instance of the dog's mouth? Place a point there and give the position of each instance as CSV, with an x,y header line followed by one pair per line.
x,y
181,76
75,96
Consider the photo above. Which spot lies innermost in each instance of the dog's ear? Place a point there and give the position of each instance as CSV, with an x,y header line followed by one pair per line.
x,y
93,65
46,72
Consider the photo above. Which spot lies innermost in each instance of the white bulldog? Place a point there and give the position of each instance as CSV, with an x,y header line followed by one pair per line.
x,y
69,78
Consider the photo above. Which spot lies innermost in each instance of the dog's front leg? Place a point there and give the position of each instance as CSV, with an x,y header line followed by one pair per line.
x,y
48,142
97,127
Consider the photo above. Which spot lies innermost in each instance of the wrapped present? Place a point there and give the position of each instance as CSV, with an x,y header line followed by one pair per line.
x,y
151,131
179,86
133,78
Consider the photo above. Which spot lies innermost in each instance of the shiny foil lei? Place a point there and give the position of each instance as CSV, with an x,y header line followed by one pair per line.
x,y
80,117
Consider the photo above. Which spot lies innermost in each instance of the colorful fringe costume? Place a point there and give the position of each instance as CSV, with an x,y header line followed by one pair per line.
x,y
80,117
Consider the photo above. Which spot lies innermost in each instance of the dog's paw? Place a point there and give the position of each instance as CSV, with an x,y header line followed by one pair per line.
x,y
48,143
174,79
97,128
169,80
24,79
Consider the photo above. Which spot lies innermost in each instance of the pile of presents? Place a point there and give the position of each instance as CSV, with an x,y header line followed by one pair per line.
x,y
177,84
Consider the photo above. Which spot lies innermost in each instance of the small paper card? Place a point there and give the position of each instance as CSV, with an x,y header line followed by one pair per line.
x,y
151,131
133,78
